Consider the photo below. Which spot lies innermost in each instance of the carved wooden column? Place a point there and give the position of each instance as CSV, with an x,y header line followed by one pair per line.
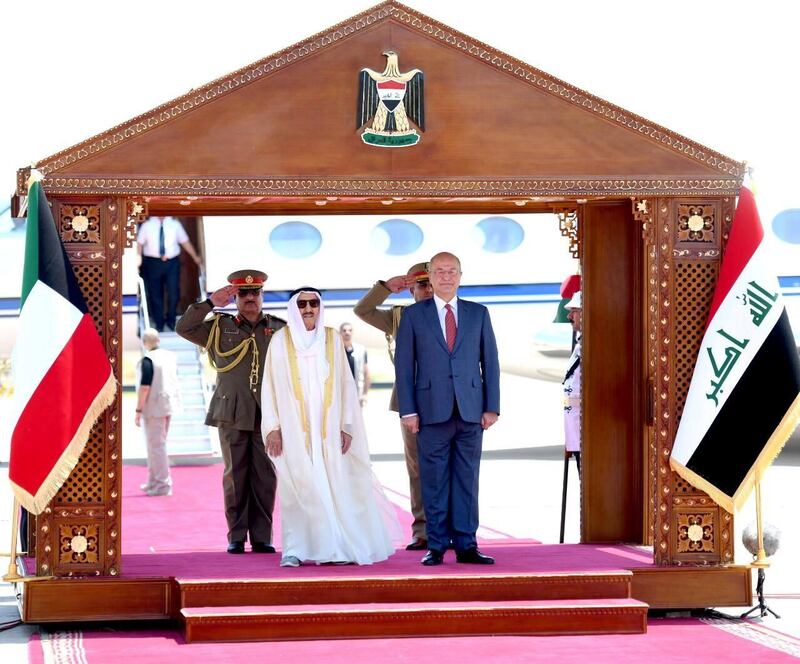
x,y
684,238
79,532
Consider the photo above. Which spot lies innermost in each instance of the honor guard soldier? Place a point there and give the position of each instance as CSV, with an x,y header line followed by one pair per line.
x,y
236,347
417,281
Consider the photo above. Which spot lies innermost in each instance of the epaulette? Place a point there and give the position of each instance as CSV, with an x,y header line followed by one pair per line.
x,y
277,318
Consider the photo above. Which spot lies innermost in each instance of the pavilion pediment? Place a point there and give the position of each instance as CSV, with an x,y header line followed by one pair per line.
x,y
286,125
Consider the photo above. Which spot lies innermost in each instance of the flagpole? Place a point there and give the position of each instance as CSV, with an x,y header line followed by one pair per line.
x,y
12,575
761,557
761,562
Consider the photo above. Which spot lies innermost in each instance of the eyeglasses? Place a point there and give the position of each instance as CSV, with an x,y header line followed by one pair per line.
x,y
244,292
302,304
447,273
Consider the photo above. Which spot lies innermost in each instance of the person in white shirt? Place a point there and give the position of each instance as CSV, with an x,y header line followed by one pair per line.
x,y
158,398
159,241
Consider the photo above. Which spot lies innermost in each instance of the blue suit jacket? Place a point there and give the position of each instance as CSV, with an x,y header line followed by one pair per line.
x,y
429,378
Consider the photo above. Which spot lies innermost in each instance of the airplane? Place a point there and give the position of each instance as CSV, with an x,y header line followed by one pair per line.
x,y
512,263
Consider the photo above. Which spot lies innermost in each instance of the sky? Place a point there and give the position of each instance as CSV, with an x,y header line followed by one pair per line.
x,y
721,73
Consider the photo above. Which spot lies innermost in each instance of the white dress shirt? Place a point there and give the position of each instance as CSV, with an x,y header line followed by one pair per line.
x,y
440,309
174,237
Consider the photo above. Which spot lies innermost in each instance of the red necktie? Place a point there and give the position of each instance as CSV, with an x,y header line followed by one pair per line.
x,y
450,327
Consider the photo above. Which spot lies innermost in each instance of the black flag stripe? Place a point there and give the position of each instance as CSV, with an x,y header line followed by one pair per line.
x,y
755,408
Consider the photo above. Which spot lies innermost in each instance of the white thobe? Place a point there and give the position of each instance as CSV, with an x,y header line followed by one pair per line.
x,y
332,506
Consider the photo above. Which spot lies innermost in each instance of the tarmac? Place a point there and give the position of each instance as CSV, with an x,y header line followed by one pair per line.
x,y
520,493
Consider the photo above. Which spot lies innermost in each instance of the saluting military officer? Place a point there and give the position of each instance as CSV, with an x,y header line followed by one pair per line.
x,y
237,346
417,281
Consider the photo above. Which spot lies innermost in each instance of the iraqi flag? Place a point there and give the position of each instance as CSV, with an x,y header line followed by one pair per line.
x,y
744,398
62,378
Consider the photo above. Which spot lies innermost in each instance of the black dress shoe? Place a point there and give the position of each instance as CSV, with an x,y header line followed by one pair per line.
x,y
236,547
433,557
417,544
261,547
473,557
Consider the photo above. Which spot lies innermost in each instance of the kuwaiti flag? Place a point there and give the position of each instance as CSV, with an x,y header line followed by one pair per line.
x,y
62,377
744,398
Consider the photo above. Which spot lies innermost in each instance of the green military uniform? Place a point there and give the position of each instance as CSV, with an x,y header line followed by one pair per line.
x,y
248,480
388,320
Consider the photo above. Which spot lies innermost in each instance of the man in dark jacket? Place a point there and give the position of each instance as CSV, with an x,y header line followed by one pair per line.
x,y
237,346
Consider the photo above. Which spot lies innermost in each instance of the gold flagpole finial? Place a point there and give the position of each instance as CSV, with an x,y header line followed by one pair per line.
x,y
35,176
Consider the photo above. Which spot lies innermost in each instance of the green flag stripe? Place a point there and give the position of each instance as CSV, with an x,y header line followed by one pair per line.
x,y
30,272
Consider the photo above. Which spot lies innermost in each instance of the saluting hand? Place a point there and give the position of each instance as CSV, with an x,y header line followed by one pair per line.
x,y
399,283
223,296
274,444
346,440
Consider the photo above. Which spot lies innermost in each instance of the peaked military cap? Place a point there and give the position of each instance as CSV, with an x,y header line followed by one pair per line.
x,y
419,271
247,278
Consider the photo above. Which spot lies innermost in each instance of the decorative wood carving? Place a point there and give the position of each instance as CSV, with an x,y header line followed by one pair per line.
x,y
696,223
77,534
643,213
568,225
686,280
79,543
696,532
79,223
382,187
136,209
432,30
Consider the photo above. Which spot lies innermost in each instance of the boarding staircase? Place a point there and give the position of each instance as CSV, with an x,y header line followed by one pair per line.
x,y
189,436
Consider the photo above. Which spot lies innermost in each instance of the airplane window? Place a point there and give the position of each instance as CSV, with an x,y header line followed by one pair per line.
x,y
499,234
397,237
786,225
295,239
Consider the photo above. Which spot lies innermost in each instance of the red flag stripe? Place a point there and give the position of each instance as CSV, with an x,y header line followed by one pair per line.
x,y
391,85
57,407
746,236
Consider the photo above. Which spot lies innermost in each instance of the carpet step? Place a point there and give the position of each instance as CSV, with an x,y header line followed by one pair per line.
x,y
438,588
386,620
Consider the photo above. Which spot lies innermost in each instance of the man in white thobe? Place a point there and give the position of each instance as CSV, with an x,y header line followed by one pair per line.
x,y
332,507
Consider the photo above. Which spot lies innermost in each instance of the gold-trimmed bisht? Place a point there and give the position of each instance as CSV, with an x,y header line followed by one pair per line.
x,y
297,387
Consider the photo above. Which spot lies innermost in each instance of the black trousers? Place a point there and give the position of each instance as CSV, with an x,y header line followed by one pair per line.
x,y
160,277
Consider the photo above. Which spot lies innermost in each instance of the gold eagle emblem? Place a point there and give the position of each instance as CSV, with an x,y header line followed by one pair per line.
x,y
391,99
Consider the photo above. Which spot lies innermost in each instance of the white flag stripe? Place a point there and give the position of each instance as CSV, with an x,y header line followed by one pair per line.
x,y
735,319
38,345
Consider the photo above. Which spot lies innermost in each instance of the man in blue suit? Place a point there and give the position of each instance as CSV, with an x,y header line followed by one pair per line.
x,y
448,387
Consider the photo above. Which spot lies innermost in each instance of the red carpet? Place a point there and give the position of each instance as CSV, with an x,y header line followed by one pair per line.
x,y
184,535
676,641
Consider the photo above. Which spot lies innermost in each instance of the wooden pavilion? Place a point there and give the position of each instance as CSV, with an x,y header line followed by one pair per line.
x,y
647,211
